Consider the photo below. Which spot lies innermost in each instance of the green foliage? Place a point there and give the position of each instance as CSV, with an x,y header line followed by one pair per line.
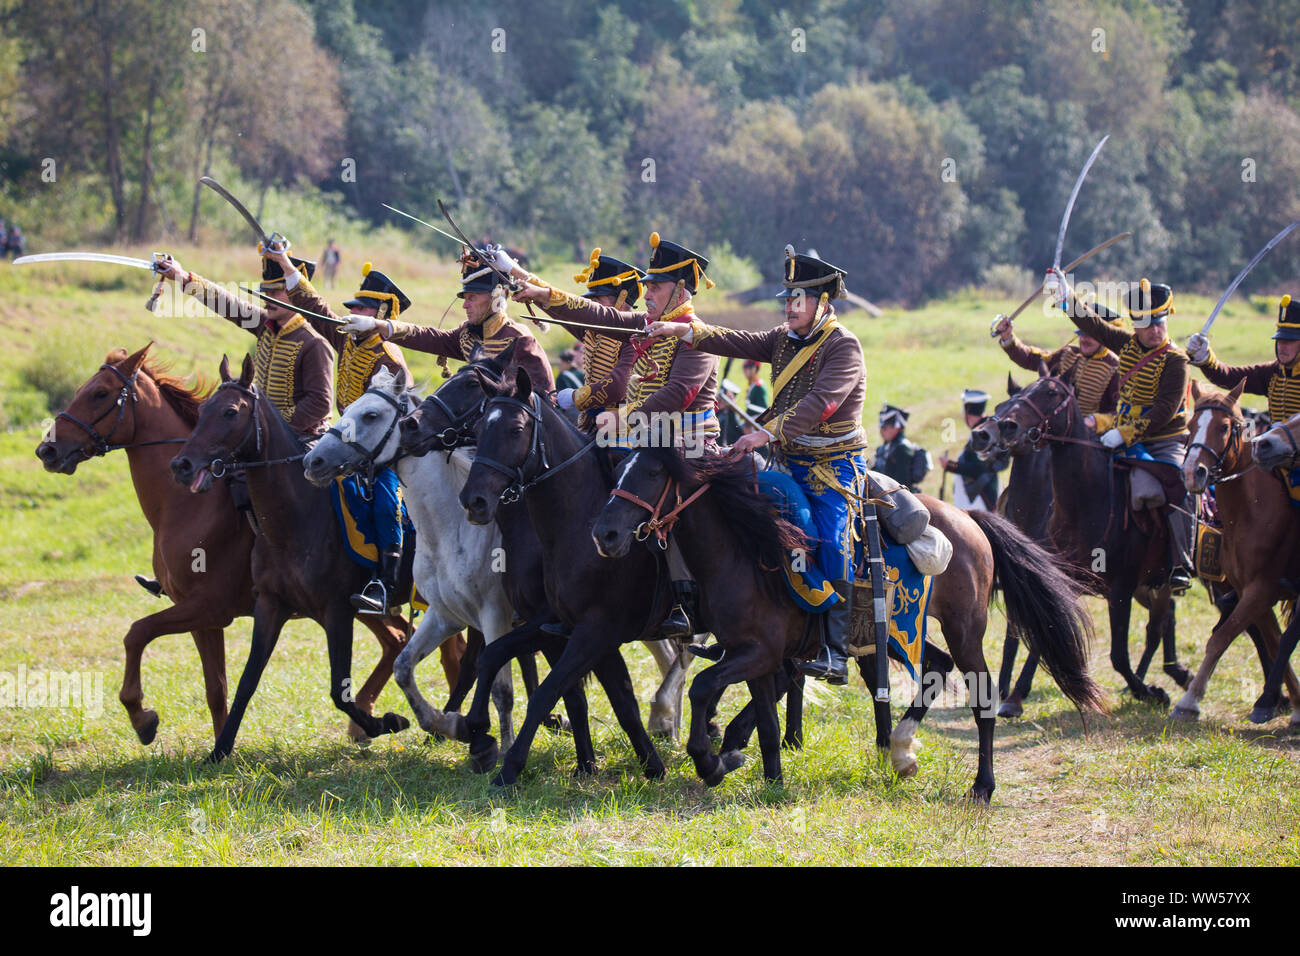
x,y
57,370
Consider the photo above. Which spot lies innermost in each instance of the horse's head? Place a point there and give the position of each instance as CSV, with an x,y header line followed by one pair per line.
x,y
1038,410
228,430
509,441
641,480
1216,443
97,416
365,438
446,419
1277,448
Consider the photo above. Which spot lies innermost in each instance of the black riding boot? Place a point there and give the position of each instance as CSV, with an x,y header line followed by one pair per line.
x,y
680,622
150,585
832,664
1180,561
380,594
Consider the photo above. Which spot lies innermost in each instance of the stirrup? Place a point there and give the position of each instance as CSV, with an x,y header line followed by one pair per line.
x,y
367,603
677,625
1179,581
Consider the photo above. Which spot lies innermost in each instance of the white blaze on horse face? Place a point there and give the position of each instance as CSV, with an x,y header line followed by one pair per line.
x,y
627,468
493,415
1197,444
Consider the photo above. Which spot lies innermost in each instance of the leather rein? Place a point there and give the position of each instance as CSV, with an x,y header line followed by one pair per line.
x,y
659,524
218,467
518,474
100,444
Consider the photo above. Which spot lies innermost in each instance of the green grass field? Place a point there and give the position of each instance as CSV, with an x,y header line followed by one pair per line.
x,y
76,786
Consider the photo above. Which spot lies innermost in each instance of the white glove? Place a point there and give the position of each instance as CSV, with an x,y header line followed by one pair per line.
x,y
498,256
1198,348
564,398
1112,439
361,323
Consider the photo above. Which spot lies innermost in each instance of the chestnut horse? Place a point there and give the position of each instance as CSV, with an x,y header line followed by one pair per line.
x,y
299,563
1260,540
734,544
1090,521
131,404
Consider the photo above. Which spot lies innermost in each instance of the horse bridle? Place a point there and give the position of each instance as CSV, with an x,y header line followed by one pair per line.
x,y
218,467
1037,433
369,456
1233,443
518,475
459,431
659,524
99,443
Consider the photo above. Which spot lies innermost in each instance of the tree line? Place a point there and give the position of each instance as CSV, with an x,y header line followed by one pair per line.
x,y
921,144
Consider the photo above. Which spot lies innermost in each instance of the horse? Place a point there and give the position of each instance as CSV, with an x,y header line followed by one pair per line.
x,y
1027,503
1117,558
734,544
524,444
447,420
299,563
1259,534
457,565
1277,449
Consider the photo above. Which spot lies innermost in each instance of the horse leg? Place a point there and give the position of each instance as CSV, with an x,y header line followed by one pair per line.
x,y
575,705
739,664
1010,647
391,632
503,698
666,704
473,727
468,670
431,634
1254,603
269,615
528,673
338,640
901,740
762,693
1266,706
584,650
793,739
450,654
1014,705
1172,668
176,619
1119,605
981,689
211,643
611,671
741,727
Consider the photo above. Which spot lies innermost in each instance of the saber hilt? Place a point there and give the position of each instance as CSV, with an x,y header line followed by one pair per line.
x,y
160,263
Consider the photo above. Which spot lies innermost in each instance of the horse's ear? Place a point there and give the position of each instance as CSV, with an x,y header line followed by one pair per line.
x,y
131,364
523,384
246,373
1043,371
483,382
1012,387
1195,390
115,356
1235,395
225,369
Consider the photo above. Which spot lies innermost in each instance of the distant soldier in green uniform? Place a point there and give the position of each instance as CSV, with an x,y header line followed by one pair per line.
x,y
896,456
978,488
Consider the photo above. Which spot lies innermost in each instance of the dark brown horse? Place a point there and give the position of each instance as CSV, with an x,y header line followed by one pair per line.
x,y
299,563
1091,528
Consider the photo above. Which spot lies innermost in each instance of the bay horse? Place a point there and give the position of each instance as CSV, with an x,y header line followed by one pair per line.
x,y
1277,449
299,563
1027,503
457,565
1260,540
734,543
448,419
1091,527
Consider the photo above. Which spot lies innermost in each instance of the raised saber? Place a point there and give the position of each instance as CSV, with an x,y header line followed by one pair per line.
x,y
441,232
1232,287
1074,194
1067,269
154,265
289,305
266,240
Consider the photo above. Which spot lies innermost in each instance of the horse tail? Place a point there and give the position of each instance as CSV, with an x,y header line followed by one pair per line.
x,y
1042,604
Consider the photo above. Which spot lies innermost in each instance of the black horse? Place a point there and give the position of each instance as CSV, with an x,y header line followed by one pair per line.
x,y
300,566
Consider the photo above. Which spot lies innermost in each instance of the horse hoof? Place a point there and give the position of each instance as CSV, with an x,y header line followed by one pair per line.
x,y
454,727
792,743
149,729
395,723
356,734
502,781
715,732
655,771
557,723
981,795
1157,696
905,765
216,756
1180,674
1011,709
1185,714
483,755
1260,715
584,770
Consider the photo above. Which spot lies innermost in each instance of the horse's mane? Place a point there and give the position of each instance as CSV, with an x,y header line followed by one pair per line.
x,y
761,535
184,399
1209,395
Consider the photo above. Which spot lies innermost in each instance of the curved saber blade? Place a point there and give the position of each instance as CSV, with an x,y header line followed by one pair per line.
x,y
441,232
1066,269
1069,206
509,282
229,197
281,302
1242,274
84,257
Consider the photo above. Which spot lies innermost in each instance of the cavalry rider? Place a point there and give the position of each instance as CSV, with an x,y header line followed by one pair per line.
x,y
665,379
1151,412
819,383
360,357
483,295
607,361
1279,379
978,488
896,455
1087,366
